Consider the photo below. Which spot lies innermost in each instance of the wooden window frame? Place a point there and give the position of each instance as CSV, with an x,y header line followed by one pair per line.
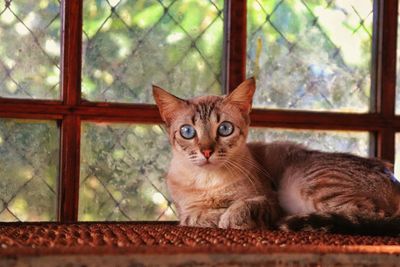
x,y
71,110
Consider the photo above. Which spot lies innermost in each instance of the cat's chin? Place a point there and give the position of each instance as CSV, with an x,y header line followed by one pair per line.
x,y
206,164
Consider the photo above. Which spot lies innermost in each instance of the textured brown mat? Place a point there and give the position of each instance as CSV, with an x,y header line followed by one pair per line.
x,y
94,238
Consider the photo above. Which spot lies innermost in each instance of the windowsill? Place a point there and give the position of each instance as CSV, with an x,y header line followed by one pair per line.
x,y
104,244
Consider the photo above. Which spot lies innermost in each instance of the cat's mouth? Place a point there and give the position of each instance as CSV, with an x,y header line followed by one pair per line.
x,y
215,161
207,163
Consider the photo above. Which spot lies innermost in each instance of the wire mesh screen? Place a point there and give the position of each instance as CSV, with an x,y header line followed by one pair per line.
x,y
28,170
30,49
330,141
128,45
311,54
122,173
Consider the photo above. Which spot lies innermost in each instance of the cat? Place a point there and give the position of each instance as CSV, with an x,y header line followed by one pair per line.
x,y
217,179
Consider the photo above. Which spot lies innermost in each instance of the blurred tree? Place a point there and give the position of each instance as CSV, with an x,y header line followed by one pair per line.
x,y
313,55
30,49
28,170
128,45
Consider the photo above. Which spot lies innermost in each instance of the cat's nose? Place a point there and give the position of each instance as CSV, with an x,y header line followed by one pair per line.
x,y
207,152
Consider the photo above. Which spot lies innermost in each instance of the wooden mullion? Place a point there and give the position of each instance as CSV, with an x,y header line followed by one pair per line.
x,y
70,127
386,144
235,43
69,169
385,38
71,51
34,108
30,116
145,113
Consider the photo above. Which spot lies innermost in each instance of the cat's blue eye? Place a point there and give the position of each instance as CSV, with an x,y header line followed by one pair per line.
x,y
188,132
225,128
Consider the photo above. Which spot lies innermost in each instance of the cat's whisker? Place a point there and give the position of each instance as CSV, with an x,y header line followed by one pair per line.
x,y
244,161
254,164
233,170
243,171
226,166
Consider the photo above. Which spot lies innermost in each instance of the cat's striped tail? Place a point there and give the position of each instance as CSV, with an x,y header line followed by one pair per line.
x,y
342,224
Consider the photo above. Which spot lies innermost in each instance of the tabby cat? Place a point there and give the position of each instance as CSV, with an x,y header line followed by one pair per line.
x,y
216,179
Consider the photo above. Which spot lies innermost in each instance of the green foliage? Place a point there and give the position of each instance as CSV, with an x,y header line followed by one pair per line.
x,y
313,55
29,58
133,44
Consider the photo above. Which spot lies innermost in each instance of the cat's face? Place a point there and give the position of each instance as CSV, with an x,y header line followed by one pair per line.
x,y
207,131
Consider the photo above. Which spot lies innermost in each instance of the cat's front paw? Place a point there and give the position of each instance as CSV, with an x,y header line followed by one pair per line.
x,y
202,218
237,216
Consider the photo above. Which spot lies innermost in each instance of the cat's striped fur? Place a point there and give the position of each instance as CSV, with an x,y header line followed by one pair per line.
x,y
218,180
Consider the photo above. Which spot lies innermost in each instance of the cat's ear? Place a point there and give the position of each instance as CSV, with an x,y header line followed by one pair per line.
x,y
167,103
242,96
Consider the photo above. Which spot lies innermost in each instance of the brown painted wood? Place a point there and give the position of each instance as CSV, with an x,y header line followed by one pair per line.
x,y
385,37
71,60
30,116
121,113
386,145
69,169
70,129
112,112
33,107
101,111
235,43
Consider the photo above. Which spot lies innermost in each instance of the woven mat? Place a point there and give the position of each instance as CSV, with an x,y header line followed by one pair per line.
x,y
77,238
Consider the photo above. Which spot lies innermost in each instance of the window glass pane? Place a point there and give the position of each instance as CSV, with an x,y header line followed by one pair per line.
x,y
122,173
29,164
313,55
30,49
128,45
331,141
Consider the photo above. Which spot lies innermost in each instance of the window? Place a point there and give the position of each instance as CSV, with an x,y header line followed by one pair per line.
x,y
80,137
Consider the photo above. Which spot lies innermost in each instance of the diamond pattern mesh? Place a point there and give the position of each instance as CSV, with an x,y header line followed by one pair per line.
x,y
330,141
122,173
128,45
29,59
28,170
311,54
